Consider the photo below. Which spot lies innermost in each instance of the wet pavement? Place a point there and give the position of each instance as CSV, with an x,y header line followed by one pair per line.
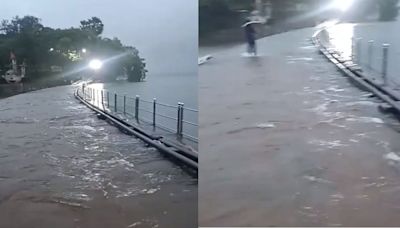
x,y
60,166
287,140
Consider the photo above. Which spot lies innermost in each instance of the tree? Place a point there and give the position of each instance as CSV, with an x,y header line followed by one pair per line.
x,y
41,47
134,66
94,25
27,24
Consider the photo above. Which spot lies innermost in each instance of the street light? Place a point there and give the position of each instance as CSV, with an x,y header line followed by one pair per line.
x,y
95,64
342,5
83,50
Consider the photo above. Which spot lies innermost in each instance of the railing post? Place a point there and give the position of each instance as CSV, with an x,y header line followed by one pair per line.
x,y
124,104
181,130
353,45
102,98
98,97
137,107
108,99
115,102
83,91
179,125
385,48
358,53
370,46
154,111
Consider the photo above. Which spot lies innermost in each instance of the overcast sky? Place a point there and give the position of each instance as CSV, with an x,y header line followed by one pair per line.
x,y
164,31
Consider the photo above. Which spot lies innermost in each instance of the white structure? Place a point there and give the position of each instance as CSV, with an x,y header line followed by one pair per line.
x,y
14,75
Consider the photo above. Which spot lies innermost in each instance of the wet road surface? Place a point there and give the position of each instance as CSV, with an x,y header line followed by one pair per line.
x,y
60,166
287,140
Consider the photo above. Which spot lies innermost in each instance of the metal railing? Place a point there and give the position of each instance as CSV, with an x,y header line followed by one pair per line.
x,y
176,119
374,60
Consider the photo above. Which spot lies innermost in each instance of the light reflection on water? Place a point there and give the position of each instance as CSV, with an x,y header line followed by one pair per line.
x,y
341,38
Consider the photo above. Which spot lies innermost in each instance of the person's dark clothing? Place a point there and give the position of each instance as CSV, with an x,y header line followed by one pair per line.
x,y
251,38
250,34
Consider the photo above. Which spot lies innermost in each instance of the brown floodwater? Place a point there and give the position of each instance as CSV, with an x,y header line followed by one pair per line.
x,y
287,140
61,166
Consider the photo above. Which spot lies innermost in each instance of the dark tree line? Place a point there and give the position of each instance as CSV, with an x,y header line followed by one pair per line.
x,y
41,47
215,15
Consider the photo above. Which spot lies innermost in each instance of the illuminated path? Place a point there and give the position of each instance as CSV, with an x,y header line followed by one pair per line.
x,y
286,140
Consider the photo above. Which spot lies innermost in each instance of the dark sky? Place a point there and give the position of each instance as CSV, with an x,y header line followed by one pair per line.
x,y
164,31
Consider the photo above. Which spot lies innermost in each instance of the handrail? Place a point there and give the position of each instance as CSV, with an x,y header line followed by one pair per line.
x,y
144,100
189,109
112,102
187,157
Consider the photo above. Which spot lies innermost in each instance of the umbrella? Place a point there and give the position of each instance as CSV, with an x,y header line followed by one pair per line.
x,y
252,22
204,59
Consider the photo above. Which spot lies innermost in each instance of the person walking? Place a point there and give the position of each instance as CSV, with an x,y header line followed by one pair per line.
x,y
250,35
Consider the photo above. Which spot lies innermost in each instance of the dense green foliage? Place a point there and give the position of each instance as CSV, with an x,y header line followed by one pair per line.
x,y
41,47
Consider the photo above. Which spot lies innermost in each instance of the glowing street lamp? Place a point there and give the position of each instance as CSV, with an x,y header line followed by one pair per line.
x,y
342,5
95,64
83,50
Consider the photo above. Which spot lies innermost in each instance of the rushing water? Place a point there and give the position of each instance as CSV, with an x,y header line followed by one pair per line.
x,y
60,166
291,142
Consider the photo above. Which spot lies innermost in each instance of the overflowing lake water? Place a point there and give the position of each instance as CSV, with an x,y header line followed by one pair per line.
x,y
60,166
